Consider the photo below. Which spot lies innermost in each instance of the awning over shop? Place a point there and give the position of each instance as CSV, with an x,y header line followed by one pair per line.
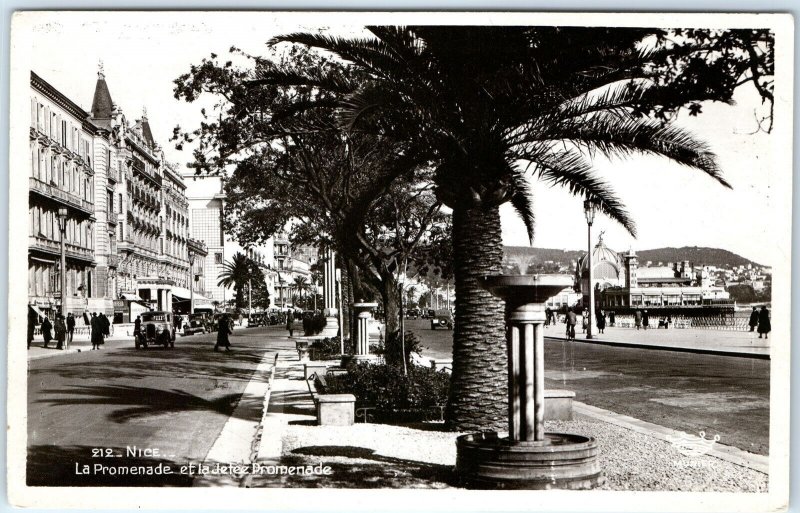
x,y
131,297
184,294
36,309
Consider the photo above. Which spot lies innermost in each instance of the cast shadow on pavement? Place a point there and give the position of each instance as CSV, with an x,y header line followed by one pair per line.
x,y
136,402
360,467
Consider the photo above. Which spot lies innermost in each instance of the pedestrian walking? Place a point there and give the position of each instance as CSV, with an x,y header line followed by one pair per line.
x,y
764,324
612,318
47,332
105,325
585,317
96,330
753,319
137,326
33,318
548,313
571,319
70,328
225,329
645,319
290,324
637,319
601,321
60,330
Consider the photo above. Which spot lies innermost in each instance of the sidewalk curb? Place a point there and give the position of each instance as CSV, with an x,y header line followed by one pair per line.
x,y
757,462
237,442
53,354
694,350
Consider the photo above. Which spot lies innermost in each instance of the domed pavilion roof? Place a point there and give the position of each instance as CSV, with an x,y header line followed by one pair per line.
x,y
607,263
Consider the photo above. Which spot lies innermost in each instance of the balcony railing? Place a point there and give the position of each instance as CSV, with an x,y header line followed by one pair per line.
x,y
54,247
52,192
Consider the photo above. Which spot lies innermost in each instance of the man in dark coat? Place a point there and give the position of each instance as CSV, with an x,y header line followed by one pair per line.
x,y
571,320
601,321
290,324
224,330
105,324
753,319
96,326
60,329
637,319
46,333
70,328
645,319
33,318
764,324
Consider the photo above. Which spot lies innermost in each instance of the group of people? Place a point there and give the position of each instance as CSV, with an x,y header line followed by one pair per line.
x,y
760,320
62,329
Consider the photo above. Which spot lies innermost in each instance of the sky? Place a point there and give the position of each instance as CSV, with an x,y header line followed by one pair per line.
x,y
672,205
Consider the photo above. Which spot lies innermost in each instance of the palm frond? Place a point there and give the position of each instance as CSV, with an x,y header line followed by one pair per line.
x,y
522,201
568,169
618,137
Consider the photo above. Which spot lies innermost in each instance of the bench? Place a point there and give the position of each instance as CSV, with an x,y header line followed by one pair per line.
x,y
314,368
332,409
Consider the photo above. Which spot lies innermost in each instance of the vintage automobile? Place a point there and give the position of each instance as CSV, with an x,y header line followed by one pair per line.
x,y
257,319
195,323
442,319
156,329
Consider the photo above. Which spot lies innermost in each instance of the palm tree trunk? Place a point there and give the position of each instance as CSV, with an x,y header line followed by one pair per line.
x,y
478,387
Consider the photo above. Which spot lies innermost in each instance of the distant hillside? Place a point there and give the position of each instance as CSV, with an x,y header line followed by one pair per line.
x,y
696,255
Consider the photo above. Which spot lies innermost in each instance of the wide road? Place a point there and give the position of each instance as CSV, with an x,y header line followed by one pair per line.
x,y
171,404
722,395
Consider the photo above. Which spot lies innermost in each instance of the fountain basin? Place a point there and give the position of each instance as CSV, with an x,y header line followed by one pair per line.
x,y
560,461
519,289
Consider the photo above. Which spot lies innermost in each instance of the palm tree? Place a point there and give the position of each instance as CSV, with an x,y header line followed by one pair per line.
x,y
491,107
236,273
302,286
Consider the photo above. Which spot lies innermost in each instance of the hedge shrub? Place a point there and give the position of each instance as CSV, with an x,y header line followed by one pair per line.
x,y
394,396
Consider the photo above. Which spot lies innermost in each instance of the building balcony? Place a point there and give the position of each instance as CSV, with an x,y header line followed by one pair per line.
x,y
52,247
54,193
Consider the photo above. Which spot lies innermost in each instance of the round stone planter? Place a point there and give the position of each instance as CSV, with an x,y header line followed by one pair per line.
x,y
561,461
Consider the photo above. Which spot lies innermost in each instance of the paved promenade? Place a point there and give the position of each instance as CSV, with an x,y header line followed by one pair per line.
x,y
733,343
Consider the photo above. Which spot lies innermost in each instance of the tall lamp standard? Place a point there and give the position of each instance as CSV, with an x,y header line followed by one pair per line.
x,y
589,210
62,225
191,282
341,308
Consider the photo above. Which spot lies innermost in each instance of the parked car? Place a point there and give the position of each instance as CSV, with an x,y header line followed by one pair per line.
x,y
195,323
258,319
412,313
442,319
428,313
157,329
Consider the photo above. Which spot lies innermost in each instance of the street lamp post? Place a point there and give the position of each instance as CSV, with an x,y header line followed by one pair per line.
x,y
191,282
62,225
341,308
589,210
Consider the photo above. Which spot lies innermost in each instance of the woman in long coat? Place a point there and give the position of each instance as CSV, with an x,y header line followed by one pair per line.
x,y
764,324
96,326
46,333
223,331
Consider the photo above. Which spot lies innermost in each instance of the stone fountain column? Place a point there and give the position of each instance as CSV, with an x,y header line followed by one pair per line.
x,y
526,372
528,458
331,313
363,313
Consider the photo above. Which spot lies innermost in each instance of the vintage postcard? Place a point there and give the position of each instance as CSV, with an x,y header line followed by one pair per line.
x,y
400,261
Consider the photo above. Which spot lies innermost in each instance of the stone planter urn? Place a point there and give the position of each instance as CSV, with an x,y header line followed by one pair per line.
x,y
528,458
